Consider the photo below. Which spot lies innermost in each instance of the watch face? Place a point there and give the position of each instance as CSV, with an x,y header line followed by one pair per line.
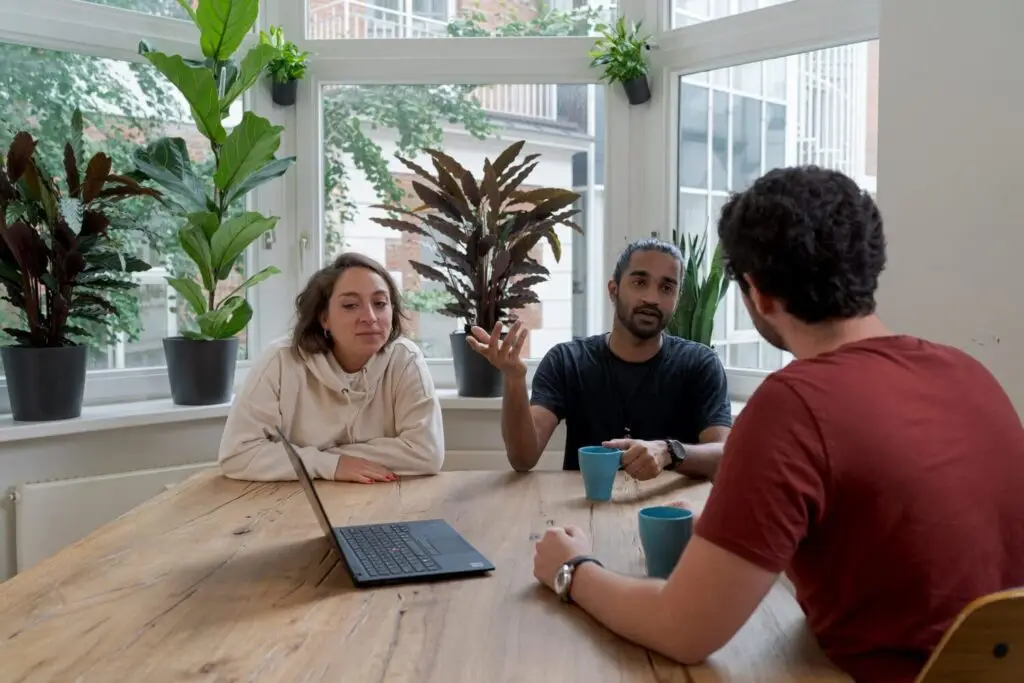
x,y
562,580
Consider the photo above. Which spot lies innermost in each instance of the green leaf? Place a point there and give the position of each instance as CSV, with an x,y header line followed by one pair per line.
x,y
253,64
197,85
227,320
166,162
207,221
704,318
234,236
191,291
197,246
223,25
251,145
274,169
254,280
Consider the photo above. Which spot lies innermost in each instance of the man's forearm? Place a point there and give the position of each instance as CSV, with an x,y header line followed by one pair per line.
x,y
517,428
631,607
702,460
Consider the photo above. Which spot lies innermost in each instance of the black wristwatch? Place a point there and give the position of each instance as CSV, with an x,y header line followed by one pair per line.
x,y
563,579
676,453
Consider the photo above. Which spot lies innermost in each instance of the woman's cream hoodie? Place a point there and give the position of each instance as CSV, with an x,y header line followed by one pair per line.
x,y
388,412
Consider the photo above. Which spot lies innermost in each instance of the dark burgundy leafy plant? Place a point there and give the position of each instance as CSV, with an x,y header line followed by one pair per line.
x,y
483,232
57,263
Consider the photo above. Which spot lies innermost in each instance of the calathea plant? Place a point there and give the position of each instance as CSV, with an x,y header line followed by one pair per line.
x,y
483,233
58,268
216,229
702,291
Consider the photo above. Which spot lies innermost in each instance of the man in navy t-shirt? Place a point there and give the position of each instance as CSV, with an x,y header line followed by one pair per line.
x,y
661,399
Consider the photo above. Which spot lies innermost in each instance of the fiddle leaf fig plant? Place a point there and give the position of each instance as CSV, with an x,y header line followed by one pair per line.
x,y
216,229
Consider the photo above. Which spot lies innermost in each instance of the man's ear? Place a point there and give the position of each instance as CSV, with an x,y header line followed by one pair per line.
x,y
763,305
613,289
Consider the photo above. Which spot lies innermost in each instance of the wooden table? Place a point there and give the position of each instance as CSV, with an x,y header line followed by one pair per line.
x,y
220,580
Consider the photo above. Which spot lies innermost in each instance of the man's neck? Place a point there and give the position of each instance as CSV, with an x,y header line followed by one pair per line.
x,y
625,345
815,340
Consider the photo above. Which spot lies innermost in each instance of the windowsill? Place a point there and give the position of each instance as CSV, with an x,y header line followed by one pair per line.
x,y
144,413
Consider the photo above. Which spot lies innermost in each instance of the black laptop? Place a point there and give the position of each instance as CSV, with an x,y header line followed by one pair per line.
x,y
398,552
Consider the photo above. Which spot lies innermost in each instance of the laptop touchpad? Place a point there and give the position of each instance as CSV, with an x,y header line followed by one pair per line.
x,y
448,544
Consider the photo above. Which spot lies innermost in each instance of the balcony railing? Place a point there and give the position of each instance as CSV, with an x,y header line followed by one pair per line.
x,y
353,19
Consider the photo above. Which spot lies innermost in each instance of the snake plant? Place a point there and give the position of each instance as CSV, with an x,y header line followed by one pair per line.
x,y
702,291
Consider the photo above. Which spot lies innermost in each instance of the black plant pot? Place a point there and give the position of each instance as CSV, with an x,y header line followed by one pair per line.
x,y
284,93
201,372
474,374
637,90
45,384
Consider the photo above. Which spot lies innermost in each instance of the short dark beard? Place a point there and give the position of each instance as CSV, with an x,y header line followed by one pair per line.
x,y
625,318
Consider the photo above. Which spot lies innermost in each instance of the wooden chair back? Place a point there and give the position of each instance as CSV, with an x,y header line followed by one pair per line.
x,y
984,645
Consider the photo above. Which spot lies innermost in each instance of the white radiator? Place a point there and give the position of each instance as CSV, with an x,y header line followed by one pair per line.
x,y
51,515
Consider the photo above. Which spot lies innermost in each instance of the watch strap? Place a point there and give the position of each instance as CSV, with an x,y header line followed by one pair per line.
x,y
676,453
572,564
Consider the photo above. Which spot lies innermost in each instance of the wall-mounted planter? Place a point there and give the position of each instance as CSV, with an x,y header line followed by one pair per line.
x,y
638,90
284,94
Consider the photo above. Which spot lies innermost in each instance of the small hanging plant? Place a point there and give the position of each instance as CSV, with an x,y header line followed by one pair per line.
x,y
287,69
622,52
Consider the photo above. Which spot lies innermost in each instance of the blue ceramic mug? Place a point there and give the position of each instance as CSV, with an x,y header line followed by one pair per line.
x,y
664,533
598,466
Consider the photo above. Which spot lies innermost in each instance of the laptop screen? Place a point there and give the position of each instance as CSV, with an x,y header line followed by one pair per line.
x,y
307,485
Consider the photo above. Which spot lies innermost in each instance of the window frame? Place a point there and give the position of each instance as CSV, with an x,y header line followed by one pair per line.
x,y
442,61
783,30
637,160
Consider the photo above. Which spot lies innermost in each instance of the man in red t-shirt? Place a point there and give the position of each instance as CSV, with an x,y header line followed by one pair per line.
x,y
882,473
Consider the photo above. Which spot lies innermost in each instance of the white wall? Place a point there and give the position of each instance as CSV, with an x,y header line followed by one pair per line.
x,y
473,440
951,141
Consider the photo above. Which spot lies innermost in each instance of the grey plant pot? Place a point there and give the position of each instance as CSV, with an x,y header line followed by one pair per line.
x,y
45,384
638,90
474,374
201,372
284,94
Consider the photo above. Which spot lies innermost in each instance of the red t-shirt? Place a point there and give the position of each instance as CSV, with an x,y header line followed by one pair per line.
x,y
887,479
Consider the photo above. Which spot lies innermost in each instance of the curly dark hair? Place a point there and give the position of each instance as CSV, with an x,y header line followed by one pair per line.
x,y
808,236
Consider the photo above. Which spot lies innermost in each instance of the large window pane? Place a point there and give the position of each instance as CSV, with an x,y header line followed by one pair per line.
x,y
693,135
124,105
814,108
334,19
364,126
689,12
160,8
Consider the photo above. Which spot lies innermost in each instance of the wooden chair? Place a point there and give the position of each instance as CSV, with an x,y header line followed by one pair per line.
x,y
984,645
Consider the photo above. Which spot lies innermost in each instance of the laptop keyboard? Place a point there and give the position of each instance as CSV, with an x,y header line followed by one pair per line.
x,y
388,549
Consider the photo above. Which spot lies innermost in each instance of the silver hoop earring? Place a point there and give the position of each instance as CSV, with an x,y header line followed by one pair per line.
x,y
327,334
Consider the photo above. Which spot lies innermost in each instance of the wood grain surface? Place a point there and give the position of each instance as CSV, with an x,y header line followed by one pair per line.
x,y
219,580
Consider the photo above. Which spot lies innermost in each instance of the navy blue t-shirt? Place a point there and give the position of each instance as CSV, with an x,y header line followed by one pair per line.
x,y
677,394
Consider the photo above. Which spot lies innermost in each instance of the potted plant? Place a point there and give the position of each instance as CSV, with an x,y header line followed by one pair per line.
x,y
216,228
287,69
57,266
702,292
483,232
621,51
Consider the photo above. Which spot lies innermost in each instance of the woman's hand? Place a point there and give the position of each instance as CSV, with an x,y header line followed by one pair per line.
x,y
361,471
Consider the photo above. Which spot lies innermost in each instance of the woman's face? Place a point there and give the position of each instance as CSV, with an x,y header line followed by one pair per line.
x,y
358,316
